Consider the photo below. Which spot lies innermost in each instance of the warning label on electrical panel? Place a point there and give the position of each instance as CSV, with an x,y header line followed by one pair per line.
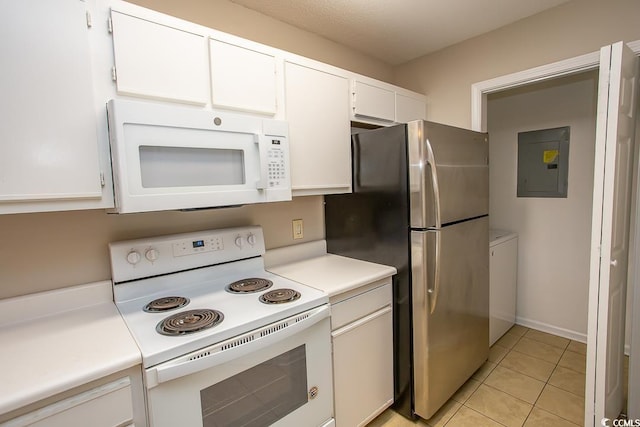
x,y
549,156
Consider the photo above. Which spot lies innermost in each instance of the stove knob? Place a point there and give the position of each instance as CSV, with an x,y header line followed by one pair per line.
x,y
133,257
239,242
151,254
251,239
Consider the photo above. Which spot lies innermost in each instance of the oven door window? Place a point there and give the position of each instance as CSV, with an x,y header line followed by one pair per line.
x,y
260,395
190,167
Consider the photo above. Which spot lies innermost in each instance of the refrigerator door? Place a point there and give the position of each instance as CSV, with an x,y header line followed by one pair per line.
x,y
450,299
448,174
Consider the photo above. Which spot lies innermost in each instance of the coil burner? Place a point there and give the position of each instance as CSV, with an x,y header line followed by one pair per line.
x,y
247,286
165,304
279,296
189,322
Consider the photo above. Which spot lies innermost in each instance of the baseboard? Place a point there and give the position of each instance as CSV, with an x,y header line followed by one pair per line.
x,y
561,332
551,329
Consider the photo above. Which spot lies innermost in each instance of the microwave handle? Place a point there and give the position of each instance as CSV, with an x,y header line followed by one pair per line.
x,y
263,161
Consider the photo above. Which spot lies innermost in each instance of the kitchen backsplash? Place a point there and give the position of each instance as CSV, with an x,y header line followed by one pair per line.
x,y
45,251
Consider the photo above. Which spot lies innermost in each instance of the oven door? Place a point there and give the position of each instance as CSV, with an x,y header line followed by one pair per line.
x,y
167,157
278,375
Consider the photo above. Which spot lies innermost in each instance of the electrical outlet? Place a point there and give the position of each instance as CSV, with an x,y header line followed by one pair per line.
x,y
298,229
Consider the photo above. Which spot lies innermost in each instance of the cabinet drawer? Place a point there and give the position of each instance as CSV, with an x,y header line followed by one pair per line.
x,y
359,306
108,405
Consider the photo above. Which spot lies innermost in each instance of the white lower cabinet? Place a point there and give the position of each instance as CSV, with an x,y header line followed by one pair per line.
x,y
362,335
503,273
108,405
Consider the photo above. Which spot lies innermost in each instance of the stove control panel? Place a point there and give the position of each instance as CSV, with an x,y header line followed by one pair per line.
x,y
190,247
141,258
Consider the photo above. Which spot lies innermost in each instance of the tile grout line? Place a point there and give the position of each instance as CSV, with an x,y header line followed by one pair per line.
x,y
546,383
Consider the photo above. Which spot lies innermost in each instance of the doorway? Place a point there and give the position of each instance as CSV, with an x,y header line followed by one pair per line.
x,y
545,73
554,233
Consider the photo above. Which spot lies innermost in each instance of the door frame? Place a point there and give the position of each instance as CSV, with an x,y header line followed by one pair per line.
x,y
578,64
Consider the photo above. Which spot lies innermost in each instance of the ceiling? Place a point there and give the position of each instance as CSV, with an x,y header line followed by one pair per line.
x,y
397,31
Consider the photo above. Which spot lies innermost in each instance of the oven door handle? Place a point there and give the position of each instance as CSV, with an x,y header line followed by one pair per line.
x,y
235,347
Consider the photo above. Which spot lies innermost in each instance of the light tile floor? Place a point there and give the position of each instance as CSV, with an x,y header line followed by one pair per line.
x,y
531,379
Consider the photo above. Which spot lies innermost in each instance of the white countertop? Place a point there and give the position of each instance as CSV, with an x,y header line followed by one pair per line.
x,y
497,236
83,340
330,273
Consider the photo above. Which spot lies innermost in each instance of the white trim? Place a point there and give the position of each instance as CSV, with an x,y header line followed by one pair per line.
x,y
550,329
554,70
633,396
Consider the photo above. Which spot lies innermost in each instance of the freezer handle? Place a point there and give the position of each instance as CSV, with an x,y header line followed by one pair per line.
x,y
434,287
431,162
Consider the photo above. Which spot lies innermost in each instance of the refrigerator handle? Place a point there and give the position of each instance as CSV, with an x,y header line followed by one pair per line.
x,y
431,162
434,289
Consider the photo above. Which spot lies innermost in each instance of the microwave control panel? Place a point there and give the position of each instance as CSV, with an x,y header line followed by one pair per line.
x,y
277,164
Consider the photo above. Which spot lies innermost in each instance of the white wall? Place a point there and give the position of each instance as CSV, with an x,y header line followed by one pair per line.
x,y
553,264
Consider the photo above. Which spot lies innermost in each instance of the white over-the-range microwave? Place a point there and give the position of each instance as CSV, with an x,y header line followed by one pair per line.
x,y
169,158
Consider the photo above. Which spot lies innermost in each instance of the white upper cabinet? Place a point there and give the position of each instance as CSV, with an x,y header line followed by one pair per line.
x,y
373,102
410,108
317,109
242,78
158,61
383,104
48,139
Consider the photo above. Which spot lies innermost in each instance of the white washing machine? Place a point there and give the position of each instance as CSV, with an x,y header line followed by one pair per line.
x,y
503,275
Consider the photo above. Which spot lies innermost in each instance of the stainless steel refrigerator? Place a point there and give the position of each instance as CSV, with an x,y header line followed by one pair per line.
x,y
420,202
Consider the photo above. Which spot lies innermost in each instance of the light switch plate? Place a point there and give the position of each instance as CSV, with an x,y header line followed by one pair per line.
x,y
298,229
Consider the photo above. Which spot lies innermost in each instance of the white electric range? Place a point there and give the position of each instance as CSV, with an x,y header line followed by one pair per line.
x,y
227,342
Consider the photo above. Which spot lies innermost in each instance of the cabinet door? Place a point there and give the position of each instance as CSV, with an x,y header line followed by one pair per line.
x,y
48,137
408,109
242,79
317,109
363,368
374,102
503,265
158,61
109,405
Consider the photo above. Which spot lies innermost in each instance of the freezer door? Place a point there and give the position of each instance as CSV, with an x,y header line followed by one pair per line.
x,y
450,299
448,174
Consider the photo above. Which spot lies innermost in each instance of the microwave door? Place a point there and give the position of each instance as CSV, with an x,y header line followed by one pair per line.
x,y
167,158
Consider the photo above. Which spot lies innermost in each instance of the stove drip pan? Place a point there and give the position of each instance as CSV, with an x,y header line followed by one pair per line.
x,y
246,286
279,296
189,322
165,304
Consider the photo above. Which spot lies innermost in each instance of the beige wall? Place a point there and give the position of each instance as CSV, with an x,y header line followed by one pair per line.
x,y
554,233
572,29
45,251
231,18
